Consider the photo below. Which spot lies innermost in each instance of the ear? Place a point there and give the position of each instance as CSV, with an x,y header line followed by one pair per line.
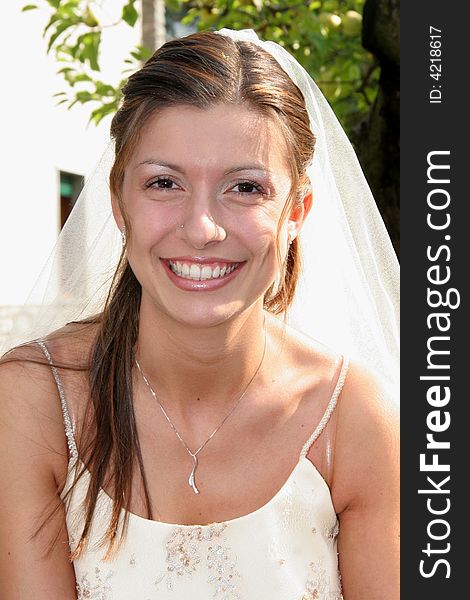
x,y
298,214
117,213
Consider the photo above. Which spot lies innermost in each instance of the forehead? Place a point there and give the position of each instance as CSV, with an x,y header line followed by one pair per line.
x,y
214,136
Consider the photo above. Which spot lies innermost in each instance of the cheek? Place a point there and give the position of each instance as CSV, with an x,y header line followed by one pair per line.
x,y
150,222
261,237
147,219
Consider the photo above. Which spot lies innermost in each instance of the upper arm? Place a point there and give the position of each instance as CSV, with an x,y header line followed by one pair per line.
x,y
33,458
365,490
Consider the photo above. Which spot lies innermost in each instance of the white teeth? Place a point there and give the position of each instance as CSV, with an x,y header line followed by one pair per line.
x,y
195,272
206,273
198,273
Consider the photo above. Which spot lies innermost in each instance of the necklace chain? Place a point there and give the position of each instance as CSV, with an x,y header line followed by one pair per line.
x,y
193,455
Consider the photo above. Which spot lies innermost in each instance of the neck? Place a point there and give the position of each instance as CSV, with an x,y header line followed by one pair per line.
x,y
187,365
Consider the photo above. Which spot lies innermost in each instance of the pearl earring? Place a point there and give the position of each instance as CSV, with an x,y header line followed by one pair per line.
x,y
123,236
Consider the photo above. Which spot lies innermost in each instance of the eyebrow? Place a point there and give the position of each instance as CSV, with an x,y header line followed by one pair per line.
x,y
254,167
173,167
159,163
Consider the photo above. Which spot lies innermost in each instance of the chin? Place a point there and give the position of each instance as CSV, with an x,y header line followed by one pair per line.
x,y
204,309
200,316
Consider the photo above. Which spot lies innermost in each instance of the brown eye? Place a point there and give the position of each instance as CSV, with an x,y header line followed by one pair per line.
x,y
247,187
163,183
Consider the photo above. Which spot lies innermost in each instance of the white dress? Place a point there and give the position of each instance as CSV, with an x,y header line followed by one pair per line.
x,y
285,550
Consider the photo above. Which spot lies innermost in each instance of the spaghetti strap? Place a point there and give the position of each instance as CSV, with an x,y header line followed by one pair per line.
x,y
329,409
69,427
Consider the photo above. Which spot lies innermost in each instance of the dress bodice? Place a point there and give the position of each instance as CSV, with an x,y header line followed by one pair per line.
x,y
285,550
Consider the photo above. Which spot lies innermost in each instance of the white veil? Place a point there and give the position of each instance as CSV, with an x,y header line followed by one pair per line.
x,y
348,294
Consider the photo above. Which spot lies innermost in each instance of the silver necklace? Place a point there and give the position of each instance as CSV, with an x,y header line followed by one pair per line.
x,y
191,478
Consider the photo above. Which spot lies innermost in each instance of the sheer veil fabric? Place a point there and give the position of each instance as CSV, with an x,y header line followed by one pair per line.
x,y
348,297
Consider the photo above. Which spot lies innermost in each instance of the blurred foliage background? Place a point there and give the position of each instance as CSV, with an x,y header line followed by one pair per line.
x,y
350,47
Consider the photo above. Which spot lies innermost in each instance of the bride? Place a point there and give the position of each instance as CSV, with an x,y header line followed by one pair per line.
x,y
210,449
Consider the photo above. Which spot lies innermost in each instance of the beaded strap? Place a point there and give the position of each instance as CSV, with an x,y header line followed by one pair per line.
x,y
69,428
329,409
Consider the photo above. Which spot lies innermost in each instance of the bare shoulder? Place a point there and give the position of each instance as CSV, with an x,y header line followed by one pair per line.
x,y
31,419
33,469
367,440
31,430
26,385
71,345
366,399
308,378
26,369
366,404
308,356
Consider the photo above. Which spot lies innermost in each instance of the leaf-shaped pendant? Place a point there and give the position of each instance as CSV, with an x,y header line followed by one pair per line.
x,y
191,480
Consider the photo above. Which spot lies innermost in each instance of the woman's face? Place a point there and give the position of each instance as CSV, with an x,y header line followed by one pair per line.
x,y
203,194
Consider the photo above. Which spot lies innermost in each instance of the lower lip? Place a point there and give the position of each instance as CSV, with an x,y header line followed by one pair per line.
x,y
206,285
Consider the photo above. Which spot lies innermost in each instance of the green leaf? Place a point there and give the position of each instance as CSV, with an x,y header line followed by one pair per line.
x,y
55,17
314,5
129,13
88,46
103,89
72,77
83,96
29,7
82,77
63,52
338,60
174,5
354,72
61,27
141,54
102,111
190,17
89,17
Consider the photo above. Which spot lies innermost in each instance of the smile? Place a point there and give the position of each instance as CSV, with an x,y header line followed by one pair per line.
x,y
198,272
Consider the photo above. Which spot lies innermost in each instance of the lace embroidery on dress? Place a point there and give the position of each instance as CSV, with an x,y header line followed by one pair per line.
x,y
317,584
98,590
332,532
188,547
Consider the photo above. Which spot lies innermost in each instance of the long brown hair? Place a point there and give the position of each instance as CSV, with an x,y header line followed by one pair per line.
x,y
201,70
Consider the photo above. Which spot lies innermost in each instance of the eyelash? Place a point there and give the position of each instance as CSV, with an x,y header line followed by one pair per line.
x,y
152,183
257,188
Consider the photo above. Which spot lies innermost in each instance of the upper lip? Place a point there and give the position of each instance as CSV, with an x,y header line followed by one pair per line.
x,y
202,260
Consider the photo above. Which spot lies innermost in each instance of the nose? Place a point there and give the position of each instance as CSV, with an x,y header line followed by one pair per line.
x,y
199,227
